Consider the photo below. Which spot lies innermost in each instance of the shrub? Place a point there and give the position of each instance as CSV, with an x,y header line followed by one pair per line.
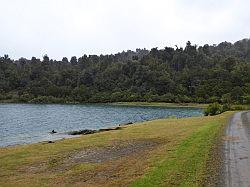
x,y
168,97
46,99
226,107
226,98
24,98
246,99
213,99
213,109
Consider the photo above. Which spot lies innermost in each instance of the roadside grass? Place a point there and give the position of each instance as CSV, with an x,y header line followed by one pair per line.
x,y
186,166
241,107
178,159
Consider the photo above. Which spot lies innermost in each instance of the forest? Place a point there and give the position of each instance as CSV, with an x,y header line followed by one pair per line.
x,y
198,74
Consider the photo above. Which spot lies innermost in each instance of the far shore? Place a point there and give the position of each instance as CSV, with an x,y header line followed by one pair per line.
x,y
235,107
159,104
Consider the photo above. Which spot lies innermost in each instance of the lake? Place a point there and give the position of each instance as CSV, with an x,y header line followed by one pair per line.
x,y
31,123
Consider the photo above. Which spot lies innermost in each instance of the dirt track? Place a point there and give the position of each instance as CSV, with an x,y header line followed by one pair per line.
x,y
237,151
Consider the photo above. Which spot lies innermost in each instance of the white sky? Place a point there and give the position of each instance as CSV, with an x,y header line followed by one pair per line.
x,y
76,27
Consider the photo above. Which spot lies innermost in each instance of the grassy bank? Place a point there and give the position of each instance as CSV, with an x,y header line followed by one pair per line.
x,y
186,165
166,152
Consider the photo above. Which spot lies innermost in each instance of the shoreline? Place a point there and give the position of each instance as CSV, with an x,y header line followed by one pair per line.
x,y
66,135
162,104
150,104
84,132
235,107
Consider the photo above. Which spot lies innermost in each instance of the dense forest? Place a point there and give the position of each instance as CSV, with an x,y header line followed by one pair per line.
x,y
201,74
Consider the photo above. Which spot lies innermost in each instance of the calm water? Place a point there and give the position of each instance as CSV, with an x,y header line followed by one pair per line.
x,y
29,123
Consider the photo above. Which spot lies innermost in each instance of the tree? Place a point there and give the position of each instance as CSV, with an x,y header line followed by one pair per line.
x,y
46,58
73,60
65,60
205,74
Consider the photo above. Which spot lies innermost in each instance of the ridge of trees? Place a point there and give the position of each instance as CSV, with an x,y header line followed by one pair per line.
x,y
204,74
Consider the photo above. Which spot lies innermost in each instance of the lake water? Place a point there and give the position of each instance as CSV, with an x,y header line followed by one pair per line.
x,y
30,123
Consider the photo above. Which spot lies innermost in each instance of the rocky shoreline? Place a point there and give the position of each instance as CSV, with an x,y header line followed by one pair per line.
x,y
90,131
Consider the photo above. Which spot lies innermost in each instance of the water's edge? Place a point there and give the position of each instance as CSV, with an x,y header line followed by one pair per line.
x,y
32,123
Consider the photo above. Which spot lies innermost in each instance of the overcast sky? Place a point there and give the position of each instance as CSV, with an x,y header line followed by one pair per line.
x,y
76,27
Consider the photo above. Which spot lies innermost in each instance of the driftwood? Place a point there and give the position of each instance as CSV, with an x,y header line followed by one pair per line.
x,y
125,124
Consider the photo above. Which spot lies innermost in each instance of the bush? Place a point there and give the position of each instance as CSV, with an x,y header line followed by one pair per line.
x,y
226,98
168,97
100,97
226,107
46,99
116,96
213,99
24,98
213,109
246,99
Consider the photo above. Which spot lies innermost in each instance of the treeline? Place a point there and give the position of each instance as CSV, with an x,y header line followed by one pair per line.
x,y
205,74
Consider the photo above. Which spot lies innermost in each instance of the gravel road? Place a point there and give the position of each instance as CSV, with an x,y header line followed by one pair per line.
x,y
237,151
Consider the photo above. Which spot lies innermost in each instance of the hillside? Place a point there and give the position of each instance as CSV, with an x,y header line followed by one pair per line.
x,y
201,74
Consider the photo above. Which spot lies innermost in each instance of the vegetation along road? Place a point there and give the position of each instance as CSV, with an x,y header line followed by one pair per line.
x,y
237,151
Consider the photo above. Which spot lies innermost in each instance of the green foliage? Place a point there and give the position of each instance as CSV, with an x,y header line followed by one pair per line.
x,y
226,98
206,74
246,99
226,107
46,99
213,109
240,107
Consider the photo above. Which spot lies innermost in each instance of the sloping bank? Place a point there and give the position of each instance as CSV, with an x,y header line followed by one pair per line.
x,y
166,152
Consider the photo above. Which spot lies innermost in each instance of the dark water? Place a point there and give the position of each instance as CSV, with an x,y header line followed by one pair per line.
x,y
29,123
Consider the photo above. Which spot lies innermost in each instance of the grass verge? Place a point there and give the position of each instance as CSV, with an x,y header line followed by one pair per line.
x,y
186,166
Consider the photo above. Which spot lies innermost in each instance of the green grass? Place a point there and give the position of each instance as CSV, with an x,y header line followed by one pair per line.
x,y
179,159
240,107
186,165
